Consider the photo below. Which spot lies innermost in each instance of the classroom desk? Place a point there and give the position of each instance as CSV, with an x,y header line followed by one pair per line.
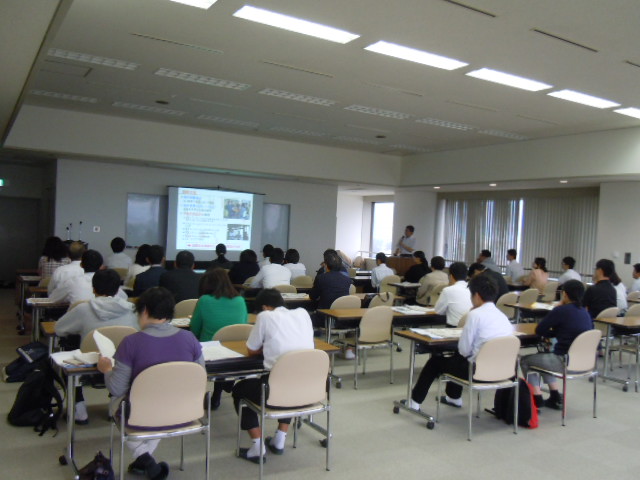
x,y
38,307
48,330
537,309
525,331
513,287
622,323
22,283
290,301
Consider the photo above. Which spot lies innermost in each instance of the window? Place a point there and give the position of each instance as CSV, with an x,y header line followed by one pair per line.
x,y
382,227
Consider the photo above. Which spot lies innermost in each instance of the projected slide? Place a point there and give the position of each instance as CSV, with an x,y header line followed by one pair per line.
x,y
208,217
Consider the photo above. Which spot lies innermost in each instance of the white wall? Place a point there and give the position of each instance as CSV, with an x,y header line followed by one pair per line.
x,y
349,224
417,208
96,193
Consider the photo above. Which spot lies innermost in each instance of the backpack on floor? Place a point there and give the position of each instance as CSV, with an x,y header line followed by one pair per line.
x,y
97,469
38,402
527,411
28,357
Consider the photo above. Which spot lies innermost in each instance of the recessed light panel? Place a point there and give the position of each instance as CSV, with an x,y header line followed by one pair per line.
x,y
294,131
414,55
298,97
583,99
409,148
293,24
364,141
500,133
630,112
377,111
508,79
202,79
64,96
445,123
145,108
93,59
197,3
228,121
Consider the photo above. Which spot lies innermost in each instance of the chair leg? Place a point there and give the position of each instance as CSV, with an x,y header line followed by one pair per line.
x,y
478,405
564,397
208,437
438,399
262,436
470,410
182,453
328,458
295,432
355,368
595,383
391,362
516,403
240,407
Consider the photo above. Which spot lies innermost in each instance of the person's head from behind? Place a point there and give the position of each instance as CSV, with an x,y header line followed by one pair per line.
x,y
512,254
248,256
216,282
381,258
604,269
277,256
332,262
419,257
475,269
221,249
185,259
636,271
266,250
483,255
142,254
483,289
156,255
615,278
458,271
91,261
540,263
437,263
572,292
269,299
568,263
60,251
76,249
408,231
292,256
118,244
50,245
105,283
155,305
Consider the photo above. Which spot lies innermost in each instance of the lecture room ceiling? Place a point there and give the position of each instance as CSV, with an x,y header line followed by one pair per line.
x,y
210,69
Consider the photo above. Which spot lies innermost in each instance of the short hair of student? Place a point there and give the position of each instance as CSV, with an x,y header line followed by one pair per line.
x,y
607,266
76,250
158,302
269,297
216,282
382,257
118,244
512,252
569,261
221,249
475,267
277,256
485,253
185,259
267,249
91,261
419,254
292,256
437,263
574,290
636,267
142,254
541,262
156,254
248,256
485,287
411,228
333,262
106,282
458,270
50,245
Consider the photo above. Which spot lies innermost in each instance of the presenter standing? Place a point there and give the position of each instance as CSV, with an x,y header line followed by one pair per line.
x,y
407,243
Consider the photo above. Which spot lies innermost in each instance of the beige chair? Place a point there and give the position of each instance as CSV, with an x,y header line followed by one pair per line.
x,y
303,281
495,367
298,386
353,272
529,296
185,308
549,292
347,301
384,284
633,297
435,293
286,288
115,333
634,310
181,387
606,313
352,289
507,298
382,299
122,272
233,333
463,320
44,282
579,362
358,261
249,281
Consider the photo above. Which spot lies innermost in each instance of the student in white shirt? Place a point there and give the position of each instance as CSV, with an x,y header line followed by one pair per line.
x,y
266,253
484,322
621,293
381,271
635,286
73,269
569,273
455,300
274,273
515,271
119,259
292,262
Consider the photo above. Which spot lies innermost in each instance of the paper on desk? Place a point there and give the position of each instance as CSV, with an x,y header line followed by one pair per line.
x,y
39,301
216,351
439,333
294,295
105,346
542,306
412,309
61,358
181,322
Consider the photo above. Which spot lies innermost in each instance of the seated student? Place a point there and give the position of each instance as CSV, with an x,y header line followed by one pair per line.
x,y
430,280
292,262
158,342
277,331
182,281
479,269
602,294
139,265
246,267
621,293
119,259
266,255
455,300
419,270
274,273
569,273
221,261
54,254
635,286
484,257
565,323
484,322
150,278
514,270
72,269
343,268
381,271
331,285
539,276
105,310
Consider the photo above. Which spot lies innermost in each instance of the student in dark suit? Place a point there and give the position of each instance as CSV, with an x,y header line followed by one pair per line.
x,y
150,278
182,281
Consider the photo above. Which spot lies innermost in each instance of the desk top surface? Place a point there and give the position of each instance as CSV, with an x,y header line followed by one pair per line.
x,y
351,313
628,322
525,330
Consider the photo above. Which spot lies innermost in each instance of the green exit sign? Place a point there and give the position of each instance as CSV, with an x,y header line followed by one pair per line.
x,y
1,182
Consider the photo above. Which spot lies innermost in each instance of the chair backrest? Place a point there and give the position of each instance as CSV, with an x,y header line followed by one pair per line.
x,y
347,301
382,299
496,360
510,298
75,304
357,262
185,308
302,281
115,333
384,284
353,272
299,378
633,297
463,320
435,293
168,394
233,333
582,352
609,312
529,296
634,311
44,282
549,292
122,272
249,280
352,289
284,288
375,325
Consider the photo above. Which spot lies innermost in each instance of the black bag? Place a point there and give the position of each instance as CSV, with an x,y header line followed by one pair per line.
x,y
28,357
38,403
97,469
527,411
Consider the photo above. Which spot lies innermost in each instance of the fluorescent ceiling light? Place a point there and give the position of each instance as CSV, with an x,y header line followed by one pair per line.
x,y
493,184
202,79
145,108
436,188
508,79
564,181
410,148
500,133
293,24
299,97
64,96
583,98
445,123
229,121
377,111
343,138
93,59
413,55
197,3
631,112
295,131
